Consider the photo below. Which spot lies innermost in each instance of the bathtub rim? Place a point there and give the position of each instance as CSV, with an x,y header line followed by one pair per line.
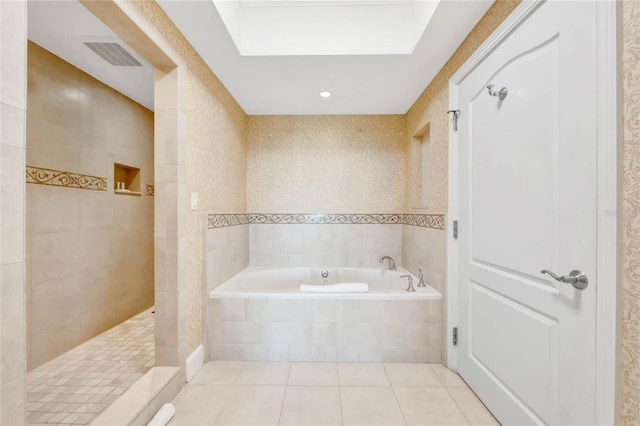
x,y
425,293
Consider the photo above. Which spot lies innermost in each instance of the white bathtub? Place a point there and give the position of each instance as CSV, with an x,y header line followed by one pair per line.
x,y
259,282
261,315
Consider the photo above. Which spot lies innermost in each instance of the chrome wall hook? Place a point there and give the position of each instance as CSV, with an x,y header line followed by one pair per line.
x,y
456,114
502,94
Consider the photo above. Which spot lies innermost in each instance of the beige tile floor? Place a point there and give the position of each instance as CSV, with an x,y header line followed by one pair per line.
x,y
323,394
77,386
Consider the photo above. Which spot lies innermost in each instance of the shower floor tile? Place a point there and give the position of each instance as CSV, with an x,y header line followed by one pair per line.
x,y
77,386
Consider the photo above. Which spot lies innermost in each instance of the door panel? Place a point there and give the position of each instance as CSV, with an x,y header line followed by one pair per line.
x,y
497,318
529,159
527,201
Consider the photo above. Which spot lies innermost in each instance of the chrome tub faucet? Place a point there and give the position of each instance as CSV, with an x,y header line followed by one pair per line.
x,y
392,263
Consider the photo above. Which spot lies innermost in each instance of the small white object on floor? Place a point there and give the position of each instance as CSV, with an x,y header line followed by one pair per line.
x,y
335,288
163,416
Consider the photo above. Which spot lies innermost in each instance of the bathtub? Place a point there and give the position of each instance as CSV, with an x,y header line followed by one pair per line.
x,y
260,315
273,283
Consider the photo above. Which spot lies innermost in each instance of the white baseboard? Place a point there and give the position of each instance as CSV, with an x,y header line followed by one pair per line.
x,y
194,362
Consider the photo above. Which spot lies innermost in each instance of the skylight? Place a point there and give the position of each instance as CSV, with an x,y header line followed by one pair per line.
x,y
325,27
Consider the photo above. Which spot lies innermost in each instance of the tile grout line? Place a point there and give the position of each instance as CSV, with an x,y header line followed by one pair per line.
x,y
454,399
458,405
340,394
244,364
393,389
233,387
477,397
436,375
286,387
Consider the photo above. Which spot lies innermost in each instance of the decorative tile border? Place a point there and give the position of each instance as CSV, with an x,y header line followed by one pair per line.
x,y
435,221
41,176
151,190
325,218
224,220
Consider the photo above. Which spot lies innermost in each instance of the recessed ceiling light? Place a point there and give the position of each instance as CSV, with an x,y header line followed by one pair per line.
x,y
325,94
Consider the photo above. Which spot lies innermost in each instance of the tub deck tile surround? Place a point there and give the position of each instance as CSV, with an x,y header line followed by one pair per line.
x,y
325,330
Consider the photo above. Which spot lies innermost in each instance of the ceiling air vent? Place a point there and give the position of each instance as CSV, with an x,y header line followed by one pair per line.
x,y
114,54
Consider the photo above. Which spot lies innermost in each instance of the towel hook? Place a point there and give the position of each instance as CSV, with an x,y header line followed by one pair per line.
x,y
456,114
502,94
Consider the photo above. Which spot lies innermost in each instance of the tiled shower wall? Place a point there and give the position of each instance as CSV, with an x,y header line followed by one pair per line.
x,y
232,243
426,249
357,245
227,254
89,250
13,48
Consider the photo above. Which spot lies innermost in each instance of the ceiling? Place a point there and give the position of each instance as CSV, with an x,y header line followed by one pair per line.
x,y
311,27
62,27
275,57
271,58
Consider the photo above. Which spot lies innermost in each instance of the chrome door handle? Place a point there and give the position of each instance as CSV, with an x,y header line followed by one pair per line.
x,y
576,278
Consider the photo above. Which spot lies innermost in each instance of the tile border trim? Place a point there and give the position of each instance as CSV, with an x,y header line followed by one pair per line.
x,y
42,176
325,218
151,190
434,221
224,220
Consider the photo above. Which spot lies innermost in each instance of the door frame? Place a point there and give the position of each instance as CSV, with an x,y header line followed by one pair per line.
x,y
608,199
133,27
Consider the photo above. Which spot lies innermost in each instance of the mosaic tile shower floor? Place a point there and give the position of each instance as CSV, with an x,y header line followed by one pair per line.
x,y
77,386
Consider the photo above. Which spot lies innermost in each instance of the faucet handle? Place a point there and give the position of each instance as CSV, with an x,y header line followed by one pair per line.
x,y
410,286
421,279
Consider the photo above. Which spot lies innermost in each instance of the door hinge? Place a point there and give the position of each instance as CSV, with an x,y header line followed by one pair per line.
x,y
455,229
455,336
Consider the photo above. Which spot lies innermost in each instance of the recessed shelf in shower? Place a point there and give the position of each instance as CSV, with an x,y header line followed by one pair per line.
x,y
126,179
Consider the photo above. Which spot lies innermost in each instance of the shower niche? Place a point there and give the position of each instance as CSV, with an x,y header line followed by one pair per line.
x,y
126,179
421,169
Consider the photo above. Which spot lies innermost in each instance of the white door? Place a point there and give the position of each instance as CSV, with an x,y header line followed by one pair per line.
x,y
527,202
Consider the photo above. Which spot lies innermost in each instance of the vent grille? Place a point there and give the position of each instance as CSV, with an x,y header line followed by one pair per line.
x,y
114,54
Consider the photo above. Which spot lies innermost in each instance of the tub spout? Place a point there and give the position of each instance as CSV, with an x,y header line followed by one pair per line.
x,y
392,263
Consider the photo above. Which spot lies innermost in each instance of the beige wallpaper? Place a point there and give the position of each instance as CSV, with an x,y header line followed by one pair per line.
x,y
631,243
326,164
216,156
431,109
89,250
